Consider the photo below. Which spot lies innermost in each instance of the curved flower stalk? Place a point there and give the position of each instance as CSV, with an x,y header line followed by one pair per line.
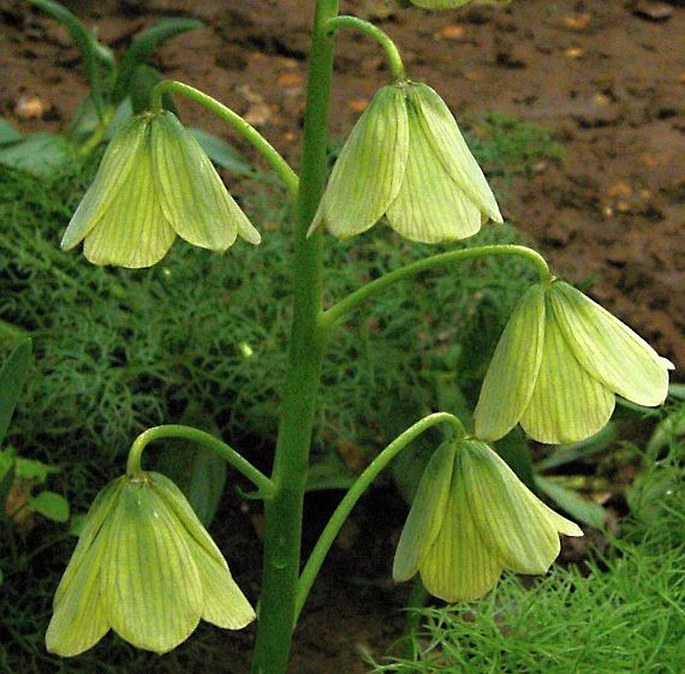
x,y
472,518
558,365
406,159
145,567
154,182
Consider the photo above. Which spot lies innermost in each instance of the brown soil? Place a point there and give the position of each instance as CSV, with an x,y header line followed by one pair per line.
x,y
608,78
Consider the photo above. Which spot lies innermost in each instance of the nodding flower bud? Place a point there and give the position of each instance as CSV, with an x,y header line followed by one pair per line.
x,y
406,159
154,182
472,518
558,365
145,567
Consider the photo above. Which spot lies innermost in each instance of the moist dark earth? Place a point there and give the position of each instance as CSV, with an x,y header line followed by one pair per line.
x,y
607,77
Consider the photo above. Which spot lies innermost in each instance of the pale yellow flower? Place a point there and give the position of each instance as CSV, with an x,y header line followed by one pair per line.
x,y
472,518
155,182
406,159
145,567
558,365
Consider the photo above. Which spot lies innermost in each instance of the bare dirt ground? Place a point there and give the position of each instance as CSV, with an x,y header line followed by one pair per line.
x,y
607,77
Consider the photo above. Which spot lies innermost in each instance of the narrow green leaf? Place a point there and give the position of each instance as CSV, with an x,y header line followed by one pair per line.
x,y
140,89
36,471
566,454
40,154
677,391
577,507
51,505
199,473
85,42
12,377
143,47
76,524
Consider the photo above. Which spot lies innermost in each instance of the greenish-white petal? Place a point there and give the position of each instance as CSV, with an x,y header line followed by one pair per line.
x,y
121,157
192,196
511,376
567,404
176,501
224,603
514,524
133,232
608,349
368,173
426,515
96,517
441,130
79,618
430,206
458,566
151,586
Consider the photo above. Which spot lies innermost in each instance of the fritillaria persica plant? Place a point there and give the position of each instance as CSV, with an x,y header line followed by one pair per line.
x,y
144,565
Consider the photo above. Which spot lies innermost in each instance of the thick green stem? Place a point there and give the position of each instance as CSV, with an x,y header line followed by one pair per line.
x,y
258,479
283,513
234,120
355,492
344,307
393,54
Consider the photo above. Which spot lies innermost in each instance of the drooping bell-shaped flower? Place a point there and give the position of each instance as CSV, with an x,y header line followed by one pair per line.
x,y
145,567
406,159
558,365
155,182
472,518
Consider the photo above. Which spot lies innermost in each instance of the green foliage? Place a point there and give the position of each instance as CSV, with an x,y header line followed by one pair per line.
x,y
12,377
622,613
